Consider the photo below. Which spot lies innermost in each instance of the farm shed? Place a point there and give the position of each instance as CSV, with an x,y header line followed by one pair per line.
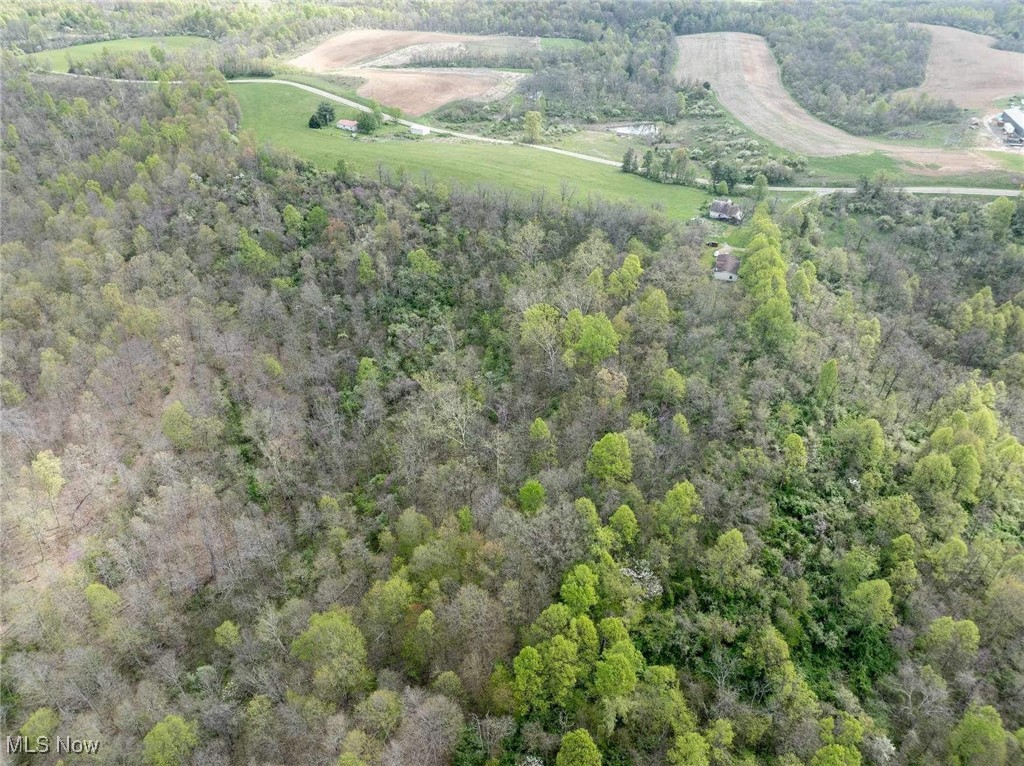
x,y
1014,117
725,210
727,266
419,130
350,125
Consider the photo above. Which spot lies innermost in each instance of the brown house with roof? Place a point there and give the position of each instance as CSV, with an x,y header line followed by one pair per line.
x,y
725,210
727,266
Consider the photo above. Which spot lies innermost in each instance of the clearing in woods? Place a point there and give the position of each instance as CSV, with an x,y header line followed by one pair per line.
x,y
965,68
56,59
745,77
358,53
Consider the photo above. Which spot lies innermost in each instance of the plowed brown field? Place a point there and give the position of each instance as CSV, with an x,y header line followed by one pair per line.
x,y
745,78
965,68
358,45
416,91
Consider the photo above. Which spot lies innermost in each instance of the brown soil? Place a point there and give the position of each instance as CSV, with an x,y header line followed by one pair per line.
x,y
745,78
965,68
361,45
418,91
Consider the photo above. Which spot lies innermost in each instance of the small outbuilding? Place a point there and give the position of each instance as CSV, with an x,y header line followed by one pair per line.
x,y
350,125
419,130
1013,121
727,266
725,210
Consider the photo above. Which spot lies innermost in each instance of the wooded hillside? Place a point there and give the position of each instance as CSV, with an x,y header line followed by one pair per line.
x,y
305,468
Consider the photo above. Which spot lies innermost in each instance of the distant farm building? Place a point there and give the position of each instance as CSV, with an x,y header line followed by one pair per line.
x,y
725,210
350,125
727,266
419,130
645,130
1013,121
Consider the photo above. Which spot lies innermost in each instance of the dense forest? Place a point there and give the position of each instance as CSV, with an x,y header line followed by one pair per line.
x,y
306,467
844,62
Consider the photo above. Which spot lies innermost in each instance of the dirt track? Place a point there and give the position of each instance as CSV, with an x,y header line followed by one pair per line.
x,y
965,68
745,78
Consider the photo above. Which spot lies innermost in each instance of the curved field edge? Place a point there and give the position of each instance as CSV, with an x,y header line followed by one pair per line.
x,y
279,116
745,77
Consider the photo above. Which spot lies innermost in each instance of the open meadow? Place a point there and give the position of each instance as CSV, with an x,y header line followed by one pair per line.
x,y
56,60
279,116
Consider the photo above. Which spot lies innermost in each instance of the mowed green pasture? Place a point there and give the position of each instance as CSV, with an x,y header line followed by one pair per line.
x,y
56,60
279,115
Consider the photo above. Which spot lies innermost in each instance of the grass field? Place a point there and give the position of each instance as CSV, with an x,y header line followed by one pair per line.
x,y
279,116
599,143
56,60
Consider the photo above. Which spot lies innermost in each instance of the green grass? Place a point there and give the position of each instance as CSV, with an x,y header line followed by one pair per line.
x,y
845,168
602,144
56,60
279,116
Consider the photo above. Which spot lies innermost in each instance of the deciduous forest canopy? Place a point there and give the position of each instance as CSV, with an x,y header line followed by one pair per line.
x,y
311,467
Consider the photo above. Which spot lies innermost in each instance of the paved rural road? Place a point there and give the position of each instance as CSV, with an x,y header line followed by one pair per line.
x,y
821,190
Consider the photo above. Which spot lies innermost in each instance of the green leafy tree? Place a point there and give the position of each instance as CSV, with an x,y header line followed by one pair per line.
x,y
611,459
615,675
335,649
625,280
561,668
578,749
728,567
794,454
103,602
531,127
836,755
253,258
950,645
42,723
323,116
623,523
314,225
579,589
871,604
48,474
531,497
170,742
690,749
542,445
979,739
178,426
367,122
227,635
678,511
589,339
828,382
528,683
